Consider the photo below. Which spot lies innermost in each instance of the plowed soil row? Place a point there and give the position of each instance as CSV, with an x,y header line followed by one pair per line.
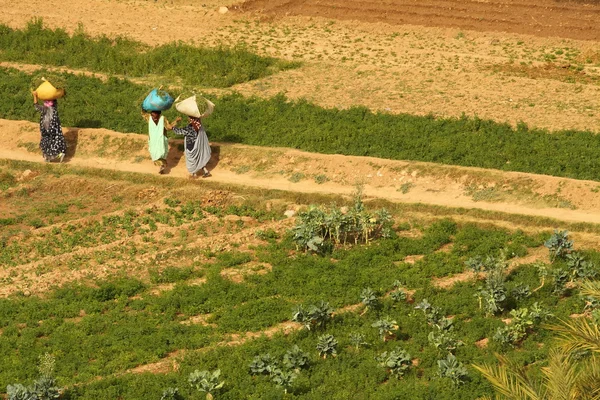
x,y
576,20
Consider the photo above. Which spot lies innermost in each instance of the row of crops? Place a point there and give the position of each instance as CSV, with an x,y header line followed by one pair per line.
x,y
371,324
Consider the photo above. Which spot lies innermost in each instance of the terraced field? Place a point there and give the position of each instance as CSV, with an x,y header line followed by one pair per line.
x,y
391,187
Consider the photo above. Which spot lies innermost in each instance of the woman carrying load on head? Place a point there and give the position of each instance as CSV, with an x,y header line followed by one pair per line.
x,y
197,148
153,105
158,143
52,143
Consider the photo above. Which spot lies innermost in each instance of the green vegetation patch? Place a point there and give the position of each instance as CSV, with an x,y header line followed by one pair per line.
x,y
470,142
198,66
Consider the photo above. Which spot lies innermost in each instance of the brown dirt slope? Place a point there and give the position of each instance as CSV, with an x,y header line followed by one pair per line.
x,y
576,20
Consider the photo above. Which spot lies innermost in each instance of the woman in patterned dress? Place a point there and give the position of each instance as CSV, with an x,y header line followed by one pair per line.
x,y
52,143
197,148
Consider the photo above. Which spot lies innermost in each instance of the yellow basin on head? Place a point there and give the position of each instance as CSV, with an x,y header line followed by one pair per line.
x,y
47,91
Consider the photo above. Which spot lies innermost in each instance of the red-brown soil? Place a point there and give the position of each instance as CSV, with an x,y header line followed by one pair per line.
x,y
569,19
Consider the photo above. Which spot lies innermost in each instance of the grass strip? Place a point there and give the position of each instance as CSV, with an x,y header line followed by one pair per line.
x,y
276,121
198,66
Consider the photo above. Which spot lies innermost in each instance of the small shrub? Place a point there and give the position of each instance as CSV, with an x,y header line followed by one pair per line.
x,y
523,321
316,317
284,378
492,297
369,298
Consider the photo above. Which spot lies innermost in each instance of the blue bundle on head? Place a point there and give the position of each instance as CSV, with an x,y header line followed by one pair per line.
x,y
157,100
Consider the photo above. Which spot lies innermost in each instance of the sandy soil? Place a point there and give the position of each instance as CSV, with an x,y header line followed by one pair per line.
x,y
509,68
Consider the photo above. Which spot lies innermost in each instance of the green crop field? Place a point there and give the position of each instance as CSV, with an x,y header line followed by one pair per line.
x,y
117,285
170,290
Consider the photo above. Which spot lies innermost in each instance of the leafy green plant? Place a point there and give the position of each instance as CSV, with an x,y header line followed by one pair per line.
x,y
480,264
451,368
316,227
44,387
263,364
327,346
386,327
357,340
521,292
171,394
492,297
369,298
397,362
206,382
579,267
283,378
315,317
523,320
433,314
559,244
398,295
560,279
295,359
19,392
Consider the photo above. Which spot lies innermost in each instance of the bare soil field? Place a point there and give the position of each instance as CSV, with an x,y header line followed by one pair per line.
x,y
569,19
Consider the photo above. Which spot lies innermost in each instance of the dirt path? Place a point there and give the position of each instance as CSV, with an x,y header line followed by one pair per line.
x,y
292,170
386,65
